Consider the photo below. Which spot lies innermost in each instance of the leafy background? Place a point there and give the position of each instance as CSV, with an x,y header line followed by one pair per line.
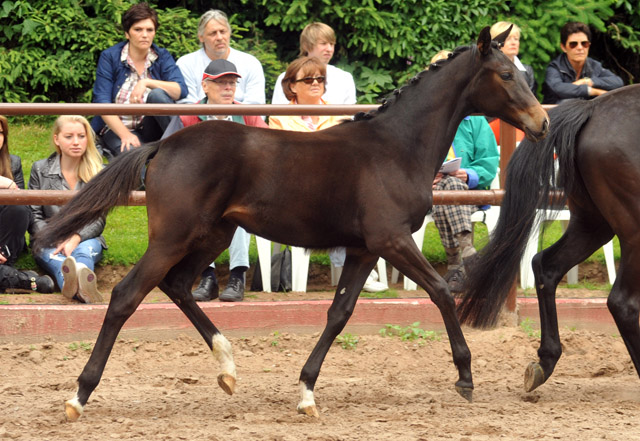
x,y
49,49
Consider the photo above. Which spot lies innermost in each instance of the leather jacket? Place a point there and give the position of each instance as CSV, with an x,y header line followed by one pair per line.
x,y
16,171
46,175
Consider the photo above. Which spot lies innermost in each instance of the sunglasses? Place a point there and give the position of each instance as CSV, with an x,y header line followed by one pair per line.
x,y
584,44
310,80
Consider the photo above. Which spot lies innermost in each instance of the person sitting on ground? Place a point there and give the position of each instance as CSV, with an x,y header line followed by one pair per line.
x,y
319,40
304,83
573,74
14,221
219,82
74,162
475,144
214,33
135,71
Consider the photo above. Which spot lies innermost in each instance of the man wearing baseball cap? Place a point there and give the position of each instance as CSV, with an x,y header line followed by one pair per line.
x,y
219,83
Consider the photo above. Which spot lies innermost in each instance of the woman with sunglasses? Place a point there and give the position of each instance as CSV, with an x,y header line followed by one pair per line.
x,y
573,74
304,82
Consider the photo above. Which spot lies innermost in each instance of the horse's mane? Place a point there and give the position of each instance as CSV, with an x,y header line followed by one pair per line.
x,y
393,97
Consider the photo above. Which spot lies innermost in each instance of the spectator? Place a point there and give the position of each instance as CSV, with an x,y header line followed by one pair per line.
x,y
14,221
573,74
214,33
475,144
219,83
319,40
74,162
511,48
135,71
303,83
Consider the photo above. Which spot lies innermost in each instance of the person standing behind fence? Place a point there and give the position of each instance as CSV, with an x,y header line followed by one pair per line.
x,y
511,48
14,221
74,162
319,40
214,33
573,74
135,71
219,82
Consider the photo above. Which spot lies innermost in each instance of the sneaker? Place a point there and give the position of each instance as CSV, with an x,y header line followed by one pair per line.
x,y
457,281
234,292
70,275
372,285
207,290
88,285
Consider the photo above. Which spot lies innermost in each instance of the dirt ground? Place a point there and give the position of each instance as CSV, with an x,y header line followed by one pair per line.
x,y
384,389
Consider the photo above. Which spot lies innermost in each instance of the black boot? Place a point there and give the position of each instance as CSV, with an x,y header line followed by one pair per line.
x,y
11,278
234,292
208,288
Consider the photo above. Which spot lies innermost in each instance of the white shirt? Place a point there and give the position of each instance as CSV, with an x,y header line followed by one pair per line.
x,y
339,88
250,88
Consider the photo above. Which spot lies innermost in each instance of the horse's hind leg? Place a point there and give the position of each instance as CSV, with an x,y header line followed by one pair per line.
x,y
582,238
125,298
355,272
177,285
624,301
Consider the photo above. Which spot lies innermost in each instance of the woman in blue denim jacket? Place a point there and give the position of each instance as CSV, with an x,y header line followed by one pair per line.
x,y
135,71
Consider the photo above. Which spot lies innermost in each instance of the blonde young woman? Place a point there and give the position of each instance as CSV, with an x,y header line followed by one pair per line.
x,y
74,162
14,221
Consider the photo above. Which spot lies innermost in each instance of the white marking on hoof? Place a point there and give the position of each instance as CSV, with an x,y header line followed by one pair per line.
x,y
307,403
223,353
73,409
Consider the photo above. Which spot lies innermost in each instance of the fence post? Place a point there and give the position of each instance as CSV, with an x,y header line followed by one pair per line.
x,y
507,147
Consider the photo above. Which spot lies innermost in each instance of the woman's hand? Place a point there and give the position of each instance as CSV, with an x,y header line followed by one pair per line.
x,y
68,245
7,184
129,141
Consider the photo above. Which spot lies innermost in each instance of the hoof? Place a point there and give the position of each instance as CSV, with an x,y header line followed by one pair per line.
x,y
533,376
72,410
227,383
311,411
465,392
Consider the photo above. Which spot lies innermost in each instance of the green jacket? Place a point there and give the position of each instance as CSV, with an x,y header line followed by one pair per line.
x,y
476,145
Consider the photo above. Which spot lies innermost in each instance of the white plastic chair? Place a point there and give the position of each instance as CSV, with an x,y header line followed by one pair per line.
x,y
526,271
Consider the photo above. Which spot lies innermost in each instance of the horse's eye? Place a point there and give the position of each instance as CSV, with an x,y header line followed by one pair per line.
x,y
506,76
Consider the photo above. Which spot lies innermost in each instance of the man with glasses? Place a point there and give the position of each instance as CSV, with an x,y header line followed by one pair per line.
x,y
573,74
219,83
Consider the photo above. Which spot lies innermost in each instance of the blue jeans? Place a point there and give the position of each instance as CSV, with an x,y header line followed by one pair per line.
x,y
88,252
238,250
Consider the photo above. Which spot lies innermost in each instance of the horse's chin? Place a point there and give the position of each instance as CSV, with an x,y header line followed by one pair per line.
x,y
535,136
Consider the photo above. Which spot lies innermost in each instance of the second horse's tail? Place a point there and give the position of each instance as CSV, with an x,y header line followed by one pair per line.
x,y
530,180
104,191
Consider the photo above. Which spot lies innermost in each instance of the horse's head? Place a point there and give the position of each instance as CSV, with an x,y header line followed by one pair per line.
x,y
498,89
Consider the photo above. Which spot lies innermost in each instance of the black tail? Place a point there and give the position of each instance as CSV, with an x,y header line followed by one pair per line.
x,y
530,180
107,189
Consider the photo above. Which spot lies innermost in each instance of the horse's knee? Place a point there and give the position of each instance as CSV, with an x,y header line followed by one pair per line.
x,y
622,309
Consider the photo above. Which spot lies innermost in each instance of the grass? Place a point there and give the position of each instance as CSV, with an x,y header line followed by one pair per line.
x,y
126,229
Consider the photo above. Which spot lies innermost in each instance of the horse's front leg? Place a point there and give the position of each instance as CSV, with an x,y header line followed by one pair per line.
x,y
356,270
125,298
408,259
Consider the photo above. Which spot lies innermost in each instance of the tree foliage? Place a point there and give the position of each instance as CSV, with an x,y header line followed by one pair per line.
x,y
49,49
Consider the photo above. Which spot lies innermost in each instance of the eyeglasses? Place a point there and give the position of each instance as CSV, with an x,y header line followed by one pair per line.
x,y
310,80
233,83
584,44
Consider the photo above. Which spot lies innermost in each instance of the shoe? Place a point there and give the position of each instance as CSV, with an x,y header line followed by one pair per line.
x,y
234,292
88,285
372,284
456,281
70,275
207,290
42,284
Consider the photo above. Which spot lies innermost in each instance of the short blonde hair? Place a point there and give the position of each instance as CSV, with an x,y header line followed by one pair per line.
x,y
91,162
501,26
312,33
442,55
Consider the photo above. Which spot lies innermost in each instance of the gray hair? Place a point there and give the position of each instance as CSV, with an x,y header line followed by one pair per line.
x,y
212,14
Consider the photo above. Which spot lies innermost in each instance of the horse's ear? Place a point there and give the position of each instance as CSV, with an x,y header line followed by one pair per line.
x,y
484,41
503,36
